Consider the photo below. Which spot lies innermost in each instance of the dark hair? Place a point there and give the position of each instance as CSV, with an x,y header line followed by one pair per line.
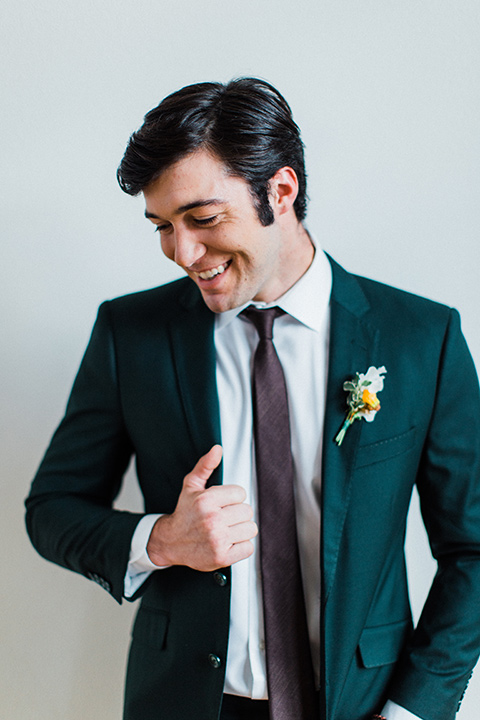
x,y
246,123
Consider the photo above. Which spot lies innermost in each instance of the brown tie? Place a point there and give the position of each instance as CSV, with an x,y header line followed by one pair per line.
x,y
291,689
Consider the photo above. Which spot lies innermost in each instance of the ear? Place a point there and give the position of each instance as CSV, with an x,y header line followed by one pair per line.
x,y
283,190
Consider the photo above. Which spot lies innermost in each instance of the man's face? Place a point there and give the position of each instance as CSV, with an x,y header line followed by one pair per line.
x,y
209,226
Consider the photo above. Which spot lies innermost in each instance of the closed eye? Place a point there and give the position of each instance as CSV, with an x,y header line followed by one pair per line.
x,y
198,221
205,221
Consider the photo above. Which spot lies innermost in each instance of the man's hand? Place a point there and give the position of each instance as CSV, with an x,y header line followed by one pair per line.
x,y
210,528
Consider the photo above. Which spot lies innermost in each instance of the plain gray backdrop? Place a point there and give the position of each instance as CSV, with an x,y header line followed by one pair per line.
x,y
387,95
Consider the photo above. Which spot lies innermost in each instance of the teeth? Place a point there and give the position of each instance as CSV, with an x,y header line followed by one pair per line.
x,y
207,274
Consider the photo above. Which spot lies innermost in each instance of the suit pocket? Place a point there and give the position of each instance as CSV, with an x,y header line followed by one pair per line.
x,y
385,449
151,627
382,645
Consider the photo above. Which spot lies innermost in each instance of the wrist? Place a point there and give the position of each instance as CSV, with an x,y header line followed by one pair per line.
x,y
157,545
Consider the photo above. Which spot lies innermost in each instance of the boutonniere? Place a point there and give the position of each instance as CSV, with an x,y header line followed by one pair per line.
x,y
362,398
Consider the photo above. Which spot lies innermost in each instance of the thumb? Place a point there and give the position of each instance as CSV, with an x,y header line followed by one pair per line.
x,y
198,477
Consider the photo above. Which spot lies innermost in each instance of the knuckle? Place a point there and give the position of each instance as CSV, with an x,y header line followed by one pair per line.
x,y
210,525
202,504
217,553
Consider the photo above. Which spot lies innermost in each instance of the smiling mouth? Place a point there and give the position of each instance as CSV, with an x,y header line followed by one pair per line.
x,y
209,274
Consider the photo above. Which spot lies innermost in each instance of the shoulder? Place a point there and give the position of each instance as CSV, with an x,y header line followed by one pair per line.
x,y
165,298
398,305
388,306
150,313
159,305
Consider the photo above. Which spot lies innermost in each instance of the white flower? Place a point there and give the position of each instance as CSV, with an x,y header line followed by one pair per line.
x,y
373,376
372,382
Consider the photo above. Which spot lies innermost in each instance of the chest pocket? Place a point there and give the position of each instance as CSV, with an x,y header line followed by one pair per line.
x,y
385,449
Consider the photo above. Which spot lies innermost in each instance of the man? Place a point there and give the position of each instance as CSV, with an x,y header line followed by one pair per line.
x,y
226,627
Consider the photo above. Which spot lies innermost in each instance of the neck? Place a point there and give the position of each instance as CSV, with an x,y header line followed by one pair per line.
x,y
298,254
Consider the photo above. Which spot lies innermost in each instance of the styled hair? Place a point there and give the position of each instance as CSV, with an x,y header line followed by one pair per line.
x,y
246,123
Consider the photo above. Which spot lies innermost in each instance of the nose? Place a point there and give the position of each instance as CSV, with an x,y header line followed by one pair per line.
x,y
186,247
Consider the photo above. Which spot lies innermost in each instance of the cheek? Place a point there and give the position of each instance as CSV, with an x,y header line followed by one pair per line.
x,y
168,247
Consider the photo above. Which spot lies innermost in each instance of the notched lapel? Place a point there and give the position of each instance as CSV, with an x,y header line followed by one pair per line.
x,y
352,344
193,347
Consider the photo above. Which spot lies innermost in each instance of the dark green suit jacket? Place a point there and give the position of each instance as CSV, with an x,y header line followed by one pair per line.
x,y
146,387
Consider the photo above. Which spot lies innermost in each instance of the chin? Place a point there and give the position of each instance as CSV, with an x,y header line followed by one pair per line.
x,y
219,305
215,306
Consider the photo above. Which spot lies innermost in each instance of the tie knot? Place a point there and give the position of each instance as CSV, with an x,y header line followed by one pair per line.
x,y
263,319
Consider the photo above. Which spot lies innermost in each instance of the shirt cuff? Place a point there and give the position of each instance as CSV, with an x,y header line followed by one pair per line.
x,y
139,567
392,711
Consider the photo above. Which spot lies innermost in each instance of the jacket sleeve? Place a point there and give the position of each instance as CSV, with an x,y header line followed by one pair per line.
x,y
444,648
70,519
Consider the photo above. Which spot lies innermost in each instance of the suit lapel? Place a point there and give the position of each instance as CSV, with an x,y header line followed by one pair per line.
x,y
352,344
191,332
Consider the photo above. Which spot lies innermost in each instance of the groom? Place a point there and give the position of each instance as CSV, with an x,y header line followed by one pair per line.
x,y
236,434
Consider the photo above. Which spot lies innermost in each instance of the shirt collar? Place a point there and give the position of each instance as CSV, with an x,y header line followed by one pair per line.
x,y
307,300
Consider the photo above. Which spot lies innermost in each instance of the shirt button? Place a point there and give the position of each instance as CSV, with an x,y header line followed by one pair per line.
x,y
220,578
261,645
214,660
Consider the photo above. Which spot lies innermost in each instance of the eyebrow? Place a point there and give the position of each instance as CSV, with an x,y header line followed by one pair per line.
x,y
189,206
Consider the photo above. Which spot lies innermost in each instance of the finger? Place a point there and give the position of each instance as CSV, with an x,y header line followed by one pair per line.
x,y
238,513
224,495
239,551
198,477
242,532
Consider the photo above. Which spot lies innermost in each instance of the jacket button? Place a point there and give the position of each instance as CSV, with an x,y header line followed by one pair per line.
x,y
220,578
214,660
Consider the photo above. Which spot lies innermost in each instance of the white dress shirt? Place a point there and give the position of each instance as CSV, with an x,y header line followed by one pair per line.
x,y
301,338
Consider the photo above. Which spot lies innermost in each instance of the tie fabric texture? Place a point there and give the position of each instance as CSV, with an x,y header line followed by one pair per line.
x,y
291,688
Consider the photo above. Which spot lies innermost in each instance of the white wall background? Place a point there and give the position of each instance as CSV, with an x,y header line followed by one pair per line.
x,y
387,94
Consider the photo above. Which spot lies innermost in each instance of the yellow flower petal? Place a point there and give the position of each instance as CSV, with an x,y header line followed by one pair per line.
x,y
370,400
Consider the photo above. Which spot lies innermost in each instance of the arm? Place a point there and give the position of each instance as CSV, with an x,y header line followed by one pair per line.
x,y
444,647
69,510
70,518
